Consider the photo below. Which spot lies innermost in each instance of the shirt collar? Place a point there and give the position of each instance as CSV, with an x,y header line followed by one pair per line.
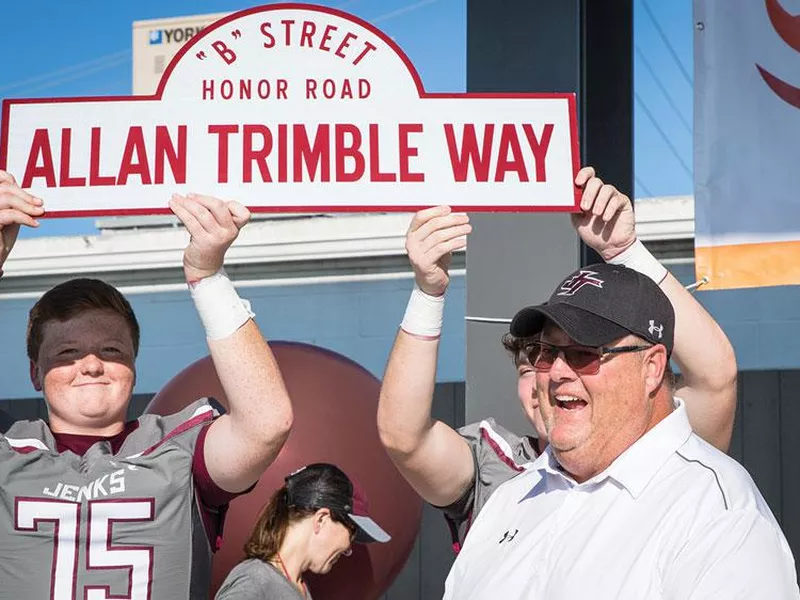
x,y
79,444
637,466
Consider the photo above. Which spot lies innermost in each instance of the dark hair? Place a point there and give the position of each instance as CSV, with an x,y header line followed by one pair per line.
x,y
72,298
518,347
319,485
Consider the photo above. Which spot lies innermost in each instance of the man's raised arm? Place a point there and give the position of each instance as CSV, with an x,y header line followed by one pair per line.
x,y
702,351
433,458
242,443
708,367
17,207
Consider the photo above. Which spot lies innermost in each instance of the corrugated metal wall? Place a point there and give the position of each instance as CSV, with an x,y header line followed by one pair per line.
x,y
766,440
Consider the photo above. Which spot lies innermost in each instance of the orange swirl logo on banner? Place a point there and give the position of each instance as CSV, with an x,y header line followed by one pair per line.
x,y
788,28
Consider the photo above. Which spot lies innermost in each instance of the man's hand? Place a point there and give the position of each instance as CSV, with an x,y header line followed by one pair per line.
x,y
432,237
213,226
17,207
606,222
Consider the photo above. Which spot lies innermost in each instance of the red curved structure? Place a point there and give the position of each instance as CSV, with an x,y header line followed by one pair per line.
x,y
787,27
334,402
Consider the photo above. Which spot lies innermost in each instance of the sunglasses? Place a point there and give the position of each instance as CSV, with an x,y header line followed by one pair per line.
x,y
584,360
341,517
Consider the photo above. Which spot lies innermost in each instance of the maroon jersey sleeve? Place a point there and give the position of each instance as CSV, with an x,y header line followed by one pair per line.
x,y
213,500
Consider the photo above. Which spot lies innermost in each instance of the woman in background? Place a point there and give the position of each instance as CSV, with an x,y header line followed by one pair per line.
x,y
307,525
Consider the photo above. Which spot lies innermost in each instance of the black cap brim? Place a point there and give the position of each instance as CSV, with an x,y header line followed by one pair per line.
x,y
581,325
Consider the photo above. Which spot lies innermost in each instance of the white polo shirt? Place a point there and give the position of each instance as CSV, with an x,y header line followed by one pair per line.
x,y
672,517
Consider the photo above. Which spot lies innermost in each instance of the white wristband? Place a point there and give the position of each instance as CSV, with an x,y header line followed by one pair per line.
x,y
638,258
221,310
424,314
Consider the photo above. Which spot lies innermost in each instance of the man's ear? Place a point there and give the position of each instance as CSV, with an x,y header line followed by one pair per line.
x,y
35,379
655,366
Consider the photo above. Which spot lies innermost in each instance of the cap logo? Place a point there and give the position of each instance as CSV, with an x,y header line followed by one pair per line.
x,y
653,329
576,282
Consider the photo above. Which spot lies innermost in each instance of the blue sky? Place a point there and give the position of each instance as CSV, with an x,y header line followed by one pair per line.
x,y
84,49
663,76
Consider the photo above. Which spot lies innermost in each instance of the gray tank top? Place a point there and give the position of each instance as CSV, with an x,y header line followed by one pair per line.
x,y
124,525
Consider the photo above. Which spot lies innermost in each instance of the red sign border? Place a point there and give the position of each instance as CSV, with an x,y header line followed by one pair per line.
x,y
570,97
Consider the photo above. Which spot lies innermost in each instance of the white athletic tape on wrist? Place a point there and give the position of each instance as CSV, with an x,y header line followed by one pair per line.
x,y
638,258
424,314
220,308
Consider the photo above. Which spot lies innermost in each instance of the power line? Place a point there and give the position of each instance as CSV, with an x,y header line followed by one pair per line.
x,y
346,4
107,87
402,10
663,135
640,183
667,43
663,89
78,75
114,57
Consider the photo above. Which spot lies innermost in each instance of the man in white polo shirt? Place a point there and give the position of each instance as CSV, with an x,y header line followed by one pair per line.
x,y
626,501
460,470
667,517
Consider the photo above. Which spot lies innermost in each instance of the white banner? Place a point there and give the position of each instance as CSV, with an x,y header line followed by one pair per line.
x,y
747,143
288,107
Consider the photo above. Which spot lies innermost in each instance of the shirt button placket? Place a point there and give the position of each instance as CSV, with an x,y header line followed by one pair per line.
x,y
567,510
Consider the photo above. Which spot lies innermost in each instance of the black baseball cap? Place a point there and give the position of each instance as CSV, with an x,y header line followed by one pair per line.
x,y
323,485
367,530
601,303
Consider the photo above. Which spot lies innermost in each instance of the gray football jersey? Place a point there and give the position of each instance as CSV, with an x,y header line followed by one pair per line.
x,y
103,525
499,455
